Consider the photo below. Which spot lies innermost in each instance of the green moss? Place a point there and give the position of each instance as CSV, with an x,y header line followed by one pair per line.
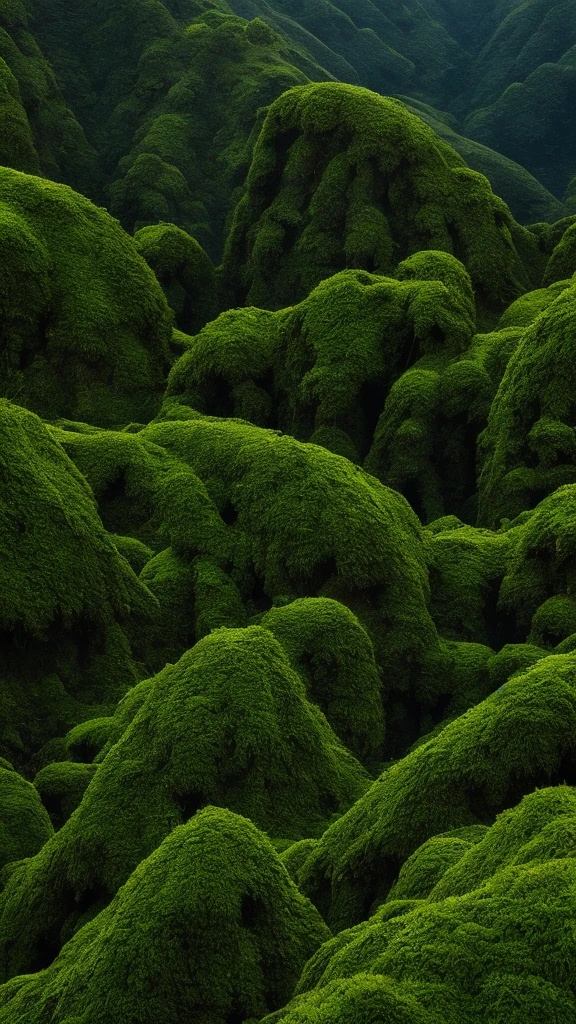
x,y
490,942
61,787
184,271
80,338
325,155
69,603
228,724
525,310
467,566
478,764
302,522
176,166
39,131
214,899
18,148
511,660
542,563
134,551
24,824
423,870
334,657
322,369
562,263
528,447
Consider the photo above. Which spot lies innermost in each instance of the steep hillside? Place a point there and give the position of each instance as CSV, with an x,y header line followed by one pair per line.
x,y
287,512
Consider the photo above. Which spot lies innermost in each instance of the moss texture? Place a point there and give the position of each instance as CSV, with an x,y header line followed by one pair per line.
x,y
518,738
70,604
507,890
528,446
24,824
340,178
216,900
83,336
334,656
229,724
185,272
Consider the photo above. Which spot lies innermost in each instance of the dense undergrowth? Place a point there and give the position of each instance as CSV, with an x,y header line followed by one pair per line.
x,y
287,512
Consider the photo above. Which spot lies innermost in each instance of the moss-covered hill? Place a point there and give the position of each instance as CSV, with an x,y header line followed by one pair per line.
x,y
287,545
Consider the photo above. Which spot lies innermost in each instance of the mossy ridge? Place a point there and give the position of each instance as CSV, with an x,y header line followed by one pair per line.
x,y
306,523
216,71
334,657
528,447
528,199
371,44
524,85
467,566
228,724
425,440
185,272
519,737
509,890
343,177
39,132
70,605
84,336
61,786
24,824
215,899
324,367
158,504
538,584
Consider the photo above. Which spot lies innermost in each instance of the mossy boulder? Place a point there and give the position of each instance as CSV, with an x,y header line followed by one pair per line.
x,y
70,605
24,823
538,584
213,901
562,262
508,889
511,891
61,786
334,656
324,367
185,272
85,324
519,737
529,446
326,155
229,724
467,566
303,522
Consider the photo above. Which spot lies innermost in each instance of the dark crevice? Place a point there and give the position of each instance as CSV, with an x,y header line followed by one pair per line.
x,y
412,492
229,514
189,804
371,398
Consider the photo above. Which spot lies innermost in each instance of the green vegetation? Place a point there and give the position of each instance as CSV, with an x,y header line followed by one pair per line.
x,y
230,725
24,824
325,156
216,901
287,512
70,605
527,448
79,340
430,956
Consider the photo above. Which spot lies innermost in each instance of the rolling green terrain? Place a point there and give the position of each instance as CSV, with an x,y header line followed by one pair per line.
x,y
287,512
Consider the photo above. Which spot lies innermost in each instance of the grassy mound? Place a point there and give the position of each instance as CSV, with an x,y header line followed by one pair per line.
x,y
229,724
208,928
85,325
326,156
69,602
520,737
